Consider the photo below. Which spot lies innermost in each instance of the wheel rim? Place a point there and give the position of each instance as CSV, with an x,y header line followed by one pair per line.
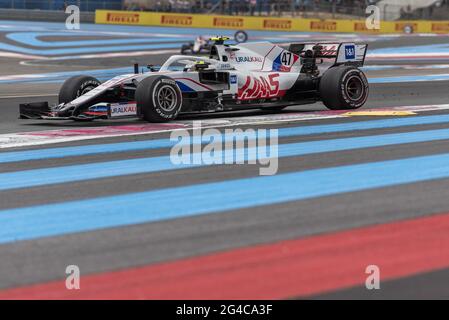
x,y
167,98
354,88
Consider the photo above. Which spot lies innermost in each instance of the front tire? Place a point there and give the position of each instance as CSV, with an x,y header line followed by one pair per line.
x,y
75,87
159,99
344,88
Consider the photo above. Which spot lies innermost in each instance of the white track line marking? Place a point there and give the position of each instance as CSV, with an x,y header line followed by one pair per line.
x,y
8,54
29,96
99,55
429,55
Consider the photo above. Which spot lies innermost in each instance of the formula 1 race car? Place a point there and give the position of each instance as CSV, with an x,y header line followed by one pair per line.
x,y
203,44
234,77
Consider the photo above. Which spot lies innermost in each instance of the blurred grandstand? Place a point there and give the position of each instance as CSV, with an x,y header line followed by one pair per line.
x,y
390,9
57,5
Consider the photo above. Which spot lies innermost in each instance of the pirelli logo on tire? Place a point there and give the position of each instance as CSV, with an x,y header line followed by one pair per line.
x,y
123,18
277,24
228,22
175,20
169,81
323,25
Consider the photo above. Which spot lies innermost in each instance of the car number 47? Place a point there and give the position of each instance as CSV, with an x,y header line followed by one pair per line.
x,y
286,58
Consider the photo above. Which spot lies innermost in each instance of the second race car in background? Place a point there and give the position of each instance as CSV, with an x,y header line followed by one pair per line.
x,y
203,44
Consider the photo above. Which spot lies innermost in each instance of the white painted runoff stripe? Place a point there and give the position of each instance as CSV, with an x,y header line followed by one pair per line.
x,y
91,149
26,139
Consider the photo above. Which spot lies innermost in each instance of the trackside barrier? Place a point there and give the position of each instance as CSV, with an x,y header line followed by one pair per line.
x,y
263,23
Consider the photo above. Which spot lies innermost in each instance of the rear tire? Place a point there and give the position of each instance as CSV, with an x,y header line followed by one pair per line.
x,y
344,88
185,48
159,99
76,86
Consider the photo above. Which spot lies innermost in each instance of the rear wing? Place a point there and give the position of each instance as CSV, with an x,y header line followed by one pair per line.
x,y
343,53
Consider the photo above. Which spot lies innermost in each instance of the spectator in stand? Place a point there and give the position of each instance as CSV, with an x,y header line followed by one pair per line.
x,y
238,5
408,12
298,6
157,6
245,6
261,6
231,7
270,6
196,7
227,7
252,6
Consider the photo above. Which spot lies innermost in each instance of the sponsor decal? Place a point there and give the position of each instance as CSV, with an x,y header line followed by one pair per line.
x,y
99,108
277,24
228,22
176,20
223,66
323,25
350,52
401,26
361,27
262,87
442,27
233,78
120,110
115,17
248,59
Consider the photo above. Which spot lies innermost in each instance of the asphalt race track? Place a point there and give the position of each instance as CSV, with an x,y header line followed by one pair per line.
x,y
352,189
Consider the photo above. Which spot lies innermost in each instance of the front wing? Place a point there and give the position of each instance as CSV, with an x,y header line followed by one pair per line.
x,y
42,110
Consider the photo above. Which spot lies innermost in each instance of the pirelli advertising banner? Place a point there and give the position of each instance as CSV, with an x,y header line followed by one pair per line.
x,y
264,23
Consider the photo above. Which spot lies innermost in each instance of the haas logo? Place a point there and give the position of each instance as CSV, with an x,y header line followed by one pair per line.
x,y
255,88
